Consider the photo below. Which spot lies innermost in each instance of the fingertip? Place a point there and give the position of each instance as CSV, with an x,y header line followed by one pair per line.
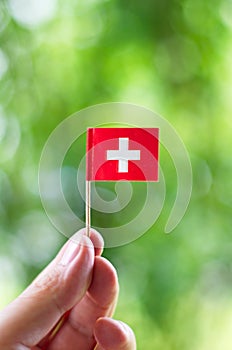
x,y
97,241
94,236
113,335
73,246
110,332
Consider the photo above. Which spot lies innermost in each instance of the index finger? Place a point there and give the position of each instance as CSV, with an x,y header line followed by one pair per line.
x,y
100,300
98,243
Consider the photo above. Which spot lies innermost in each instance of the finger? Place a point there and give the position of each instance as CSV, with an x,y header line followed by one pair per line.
x,y
99,301
96,239
98,244
57,289
113,335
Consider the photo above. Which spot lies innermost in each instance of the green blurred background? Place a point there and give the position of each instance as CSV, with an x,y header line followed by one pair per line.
x,y
172,56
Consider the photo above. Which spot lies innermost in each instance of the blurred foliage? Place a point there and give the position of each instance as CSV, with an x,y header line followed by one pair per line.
x,y
172,56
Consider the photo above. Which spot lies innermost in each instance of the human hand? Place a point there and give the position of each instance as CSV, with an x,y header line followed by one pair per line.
x,y
77,293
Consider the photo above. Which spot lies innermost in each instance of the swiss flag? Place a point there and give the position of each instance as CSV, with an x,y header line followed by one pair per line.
x,y
122,154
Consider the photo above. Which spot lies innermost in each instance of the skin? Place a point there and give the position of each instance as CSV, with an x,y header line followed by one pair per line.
x,y
69,305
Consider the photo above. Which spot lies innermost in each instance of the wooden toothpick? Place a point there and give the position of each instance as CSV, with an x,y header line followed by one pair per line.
x,y
88,207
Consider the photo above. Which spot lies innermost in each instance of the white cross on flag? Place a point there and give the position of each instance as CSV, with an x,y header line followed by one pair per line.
x,y
122,154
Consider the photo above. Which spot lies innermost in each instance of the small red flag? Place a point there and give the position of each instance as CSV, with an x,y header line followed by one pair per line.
x,y
122,154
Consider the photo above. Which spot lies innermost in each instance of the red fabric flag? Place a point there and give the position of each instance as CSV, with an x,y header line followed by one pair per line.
x,y
122,154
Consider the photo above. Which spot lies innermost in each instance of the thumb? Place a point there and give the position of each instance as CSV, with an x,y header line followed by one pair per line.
x,y
57,289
